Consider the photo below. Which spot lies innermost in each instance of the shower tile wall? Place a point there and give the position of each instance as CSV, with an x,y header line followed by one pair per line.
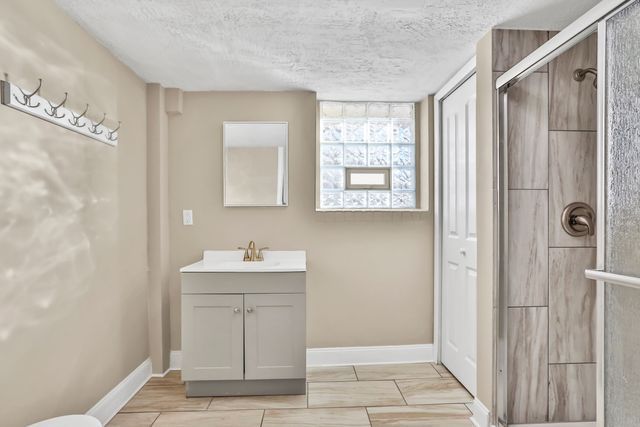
x,y
552,162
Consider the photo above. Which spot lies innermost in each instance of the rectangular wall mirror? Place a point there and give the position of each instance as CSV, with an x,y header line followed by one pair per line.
x,y
255,163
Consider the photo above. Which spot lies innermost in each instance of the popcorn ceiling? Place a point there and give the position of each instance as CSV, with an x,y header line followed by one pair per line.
x,y
395,50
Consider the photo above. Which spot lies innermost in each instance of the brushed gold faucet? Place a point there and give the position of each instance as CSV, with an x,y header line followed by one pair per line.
x,y
251,254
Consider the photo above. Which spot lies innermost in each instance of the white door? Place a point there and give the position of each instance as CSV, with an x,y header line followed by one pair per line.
x,y
275,330
459,272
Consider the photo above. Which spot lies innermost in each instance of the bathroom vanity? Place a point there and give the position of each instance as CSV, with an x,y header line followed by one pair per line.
x,y
244,324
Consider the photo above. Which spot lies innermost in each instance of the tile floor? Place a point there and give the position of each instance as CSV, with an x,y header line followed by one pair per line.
x,y
410,394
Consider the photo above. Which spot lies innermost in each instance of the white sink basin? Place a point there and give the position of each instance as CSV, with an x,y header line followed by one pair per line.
x,y
231,262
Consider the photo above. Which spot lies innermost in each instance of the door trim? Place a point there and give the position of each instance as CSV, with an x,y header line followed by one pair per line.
x,y
466,72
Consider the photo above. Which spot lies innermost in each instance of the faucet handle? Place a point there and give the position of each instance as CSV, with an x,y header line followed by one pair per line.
x,y
260,256
246,256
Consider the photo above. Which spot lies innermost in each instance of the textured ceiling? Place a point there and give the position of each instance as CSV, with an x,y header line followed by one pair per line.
x,y
341,49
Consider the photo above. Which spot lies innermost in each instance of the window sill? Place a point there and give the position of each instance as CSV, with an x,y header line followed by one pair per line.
x,y
346,210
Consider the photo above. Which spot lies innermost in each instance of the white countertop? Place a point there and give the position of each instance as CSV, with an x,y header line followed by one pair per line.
x,y
231,262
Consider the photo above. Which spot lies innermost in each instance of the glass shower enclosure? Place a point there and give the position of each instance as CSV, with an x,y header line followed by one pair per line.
x,y
618,221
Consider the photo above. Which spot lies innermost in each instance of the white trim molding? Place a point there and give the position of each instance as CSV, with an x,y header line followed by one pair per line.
x,y
175,360
113,401
481,417
570,424
458,79
336,356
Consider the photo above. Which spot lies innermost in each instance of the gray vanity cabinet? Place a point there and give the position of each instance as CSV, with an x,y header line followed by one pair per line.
x,y
273,333
212,353
243,333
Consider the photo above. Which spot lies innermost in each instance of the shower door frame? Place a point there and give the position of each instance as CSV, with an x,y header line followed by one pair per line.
x,y
592,21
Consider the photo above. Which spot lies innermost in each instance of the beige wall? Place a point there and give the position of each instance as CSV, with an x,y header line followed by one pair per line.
x,y
484,157
370,274
158,226
73,254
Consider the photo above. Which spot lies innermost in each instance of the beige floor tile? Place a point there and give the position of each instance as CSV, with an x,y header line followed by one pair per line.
x,y
444,372
165,398
209,419
133,420
433,391
407,416
347,394
335,417
172,378
400,371
258,402
331,373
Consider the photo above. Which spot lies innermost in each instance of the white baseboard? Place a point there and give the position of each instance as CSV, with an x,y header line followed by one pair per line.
x,y
480,415
567,424
369,355
335,356
113,401
175,360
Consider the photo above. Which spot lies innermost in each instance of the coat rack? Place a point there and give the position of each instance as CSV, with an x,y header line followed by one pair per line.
x,y
32,103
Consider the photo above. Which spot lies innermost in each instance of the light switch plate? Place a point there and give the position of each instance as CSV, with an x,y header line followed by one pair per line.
x,y
187,217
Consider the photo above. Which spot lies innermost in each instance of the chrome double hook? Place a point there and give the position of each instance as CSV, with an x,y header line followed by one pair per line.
x,y
54,108
94,126
112,135
26,97
75,121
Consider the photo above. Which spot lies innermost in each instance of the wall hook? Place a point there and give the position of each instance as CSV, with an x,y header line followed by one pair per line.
x,y
26,97
94,127
54,108
110,134
76,119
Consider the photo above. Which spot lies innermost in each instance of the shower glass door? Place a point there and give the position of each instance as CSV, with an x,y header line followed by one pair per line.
x,y
619,226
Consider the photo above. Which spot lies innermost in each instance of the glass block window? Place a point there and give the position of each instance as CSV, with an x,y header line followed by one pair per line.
x,y
363,135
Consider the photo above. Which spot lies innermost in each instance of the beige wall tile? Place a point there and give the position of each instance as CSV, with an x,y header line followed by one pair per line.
x,y
442,370
345,394
511,46
573,104
528,136
572,178
433,391
347,417
528,248
407,416
572,392
145,419
528,364
331,373
165,398
257,402
172,378
208,419
396,371
572,306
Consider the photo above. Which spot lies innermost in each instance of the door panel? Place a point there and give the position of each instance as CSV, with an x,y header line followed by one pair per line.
x,y
459,234
275,345
621,252
212,347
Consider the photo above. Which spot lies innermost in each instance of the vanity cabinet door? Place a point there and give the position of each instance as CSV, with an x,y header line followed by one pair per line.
x,y
275,344
212,330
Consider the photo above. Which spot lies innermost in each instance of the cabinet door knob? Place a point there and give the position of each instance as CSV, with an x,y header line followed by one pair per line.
x,y
249,310
236,310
